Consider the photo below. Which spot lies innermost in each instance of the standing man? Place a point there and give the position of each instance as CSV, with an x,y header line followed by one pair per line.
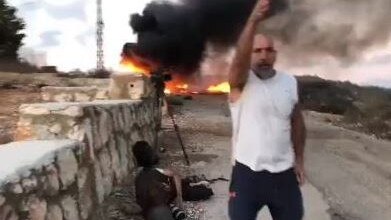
x,y
268,130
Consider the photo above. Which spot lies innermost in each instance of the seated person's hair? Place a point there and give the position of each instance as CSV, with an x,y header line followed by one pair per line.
x,y
145,155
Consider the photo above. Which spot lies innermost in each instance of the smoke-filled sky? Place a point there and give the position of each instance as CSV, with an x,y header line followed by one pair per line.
x,y
65,30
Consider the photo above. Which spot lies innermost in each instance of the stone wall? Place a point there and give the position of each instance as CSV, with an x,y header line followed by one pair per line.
x,y
45,180
71,155
72,94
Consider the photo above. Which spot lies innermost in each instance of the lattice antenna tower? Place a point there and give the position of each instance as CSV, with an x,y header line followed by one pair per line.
x,y
100,65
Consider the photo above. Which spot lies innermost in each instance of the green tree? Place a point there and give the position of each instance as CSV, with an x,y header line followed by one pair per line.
x,y
10,32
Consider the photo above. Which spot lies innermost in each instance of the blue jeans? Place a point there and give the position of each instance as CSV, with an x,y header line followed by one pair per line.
x,y
250,191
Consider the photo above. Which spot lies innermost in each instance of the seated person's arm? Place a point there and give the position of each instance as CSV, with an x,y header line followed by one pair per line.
x,y
178,185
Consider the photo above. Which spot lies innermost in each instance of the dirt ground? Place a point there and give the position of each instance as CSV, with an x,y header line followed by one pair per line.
x,y
349,173
10,100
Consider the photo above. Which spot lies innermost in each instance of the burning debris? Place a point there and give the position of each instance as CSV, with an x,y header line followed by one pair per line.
x,y
179,36
175,37
174,83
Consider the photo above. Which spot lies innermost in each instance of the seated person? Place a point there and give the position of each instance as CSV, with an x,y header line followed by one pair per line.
x,y
156,189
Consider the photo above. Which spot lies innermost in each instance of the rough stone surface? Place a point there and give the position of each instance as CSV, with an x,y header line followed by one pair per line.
x,y
85,193
107,170
52,182
85,156
123,155
37,208
67,167
16,188
70,94
13,216
56,129
7,211
129,86
115,163
54,212
18,158
2,200
29,184
99,189
105,127
72,111
69,207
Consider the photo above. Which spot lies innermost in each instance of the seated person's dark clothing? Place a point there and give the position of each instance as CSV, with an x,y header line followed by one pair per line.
x,y
154,189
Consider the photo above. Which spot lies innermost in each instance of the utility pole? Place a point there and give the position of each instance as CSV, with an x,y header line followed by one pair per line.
x,y
100,65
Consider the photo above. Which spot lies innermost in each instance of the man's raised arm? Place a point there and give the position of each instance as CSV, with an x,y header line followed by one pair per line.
x,y
241,63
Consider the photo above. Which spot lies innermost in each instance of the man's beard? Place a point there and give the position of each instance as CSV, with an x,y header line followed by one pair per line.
x,y
264,71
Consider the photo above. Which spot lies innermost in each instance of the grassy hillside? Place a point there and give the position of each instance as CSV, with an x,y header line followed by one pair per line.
x,y
364,108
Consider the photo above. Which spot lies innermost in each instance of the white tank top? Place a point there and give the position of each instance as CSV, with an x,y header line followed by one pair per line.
x,y
261,121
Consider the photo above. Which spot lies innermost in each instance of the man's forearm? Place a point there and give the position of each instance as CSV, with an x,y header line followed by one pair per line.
x,y
178,187
241,63
298,134
242,60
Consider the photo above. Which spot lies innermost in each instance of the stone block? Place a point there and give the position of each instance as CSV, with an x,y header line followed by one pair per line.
x,y
69,207
37,208
55,129
52,181
105,127
128,86
99,190
54,212
67,164
84,193
115,163
107,170
72,111
16,188
123,155
26,109
77,132
116,123
68,94
7,213
29,184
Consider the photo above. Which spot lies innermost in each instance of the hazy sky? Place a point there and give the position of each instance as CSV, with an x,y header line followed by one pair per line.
x,y
65,30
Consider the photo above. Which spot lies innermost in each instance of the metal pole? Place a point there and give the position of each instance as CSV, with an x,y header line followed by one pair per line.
x,y
178,134
158,80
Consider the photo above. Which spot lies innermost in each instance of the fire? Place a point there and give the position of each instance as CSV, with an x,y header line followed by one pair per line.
x,y
131,65
176,87
220,88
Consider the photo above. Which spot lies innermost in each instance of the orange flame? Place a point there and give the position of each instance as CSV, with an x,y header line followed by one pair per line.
x,y
131,65
176,87
220,88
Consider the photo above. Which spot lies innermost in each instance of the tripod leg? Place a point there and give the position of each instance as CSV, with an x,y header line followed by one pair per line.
x,y
178,134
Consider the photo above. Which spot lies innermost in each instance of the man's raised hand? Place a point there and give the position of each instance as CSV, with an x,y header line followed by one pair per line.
x,y
260,10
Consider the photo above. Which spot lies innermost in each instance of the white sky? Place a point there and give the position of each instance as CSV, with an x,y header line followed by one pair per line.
x,y
76,45
65,31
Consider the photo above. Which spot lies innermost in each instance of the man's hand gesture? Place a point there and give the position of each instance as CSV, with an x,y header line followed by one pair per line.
x,y
260,11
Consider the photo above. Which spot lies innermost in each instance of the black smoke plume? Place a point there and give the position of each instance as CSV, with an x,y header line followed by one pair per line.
x,y
176,34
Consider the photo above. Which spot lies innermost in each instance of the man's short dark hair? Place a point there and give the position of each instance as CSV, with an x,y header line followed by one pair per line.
x,y
145,154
